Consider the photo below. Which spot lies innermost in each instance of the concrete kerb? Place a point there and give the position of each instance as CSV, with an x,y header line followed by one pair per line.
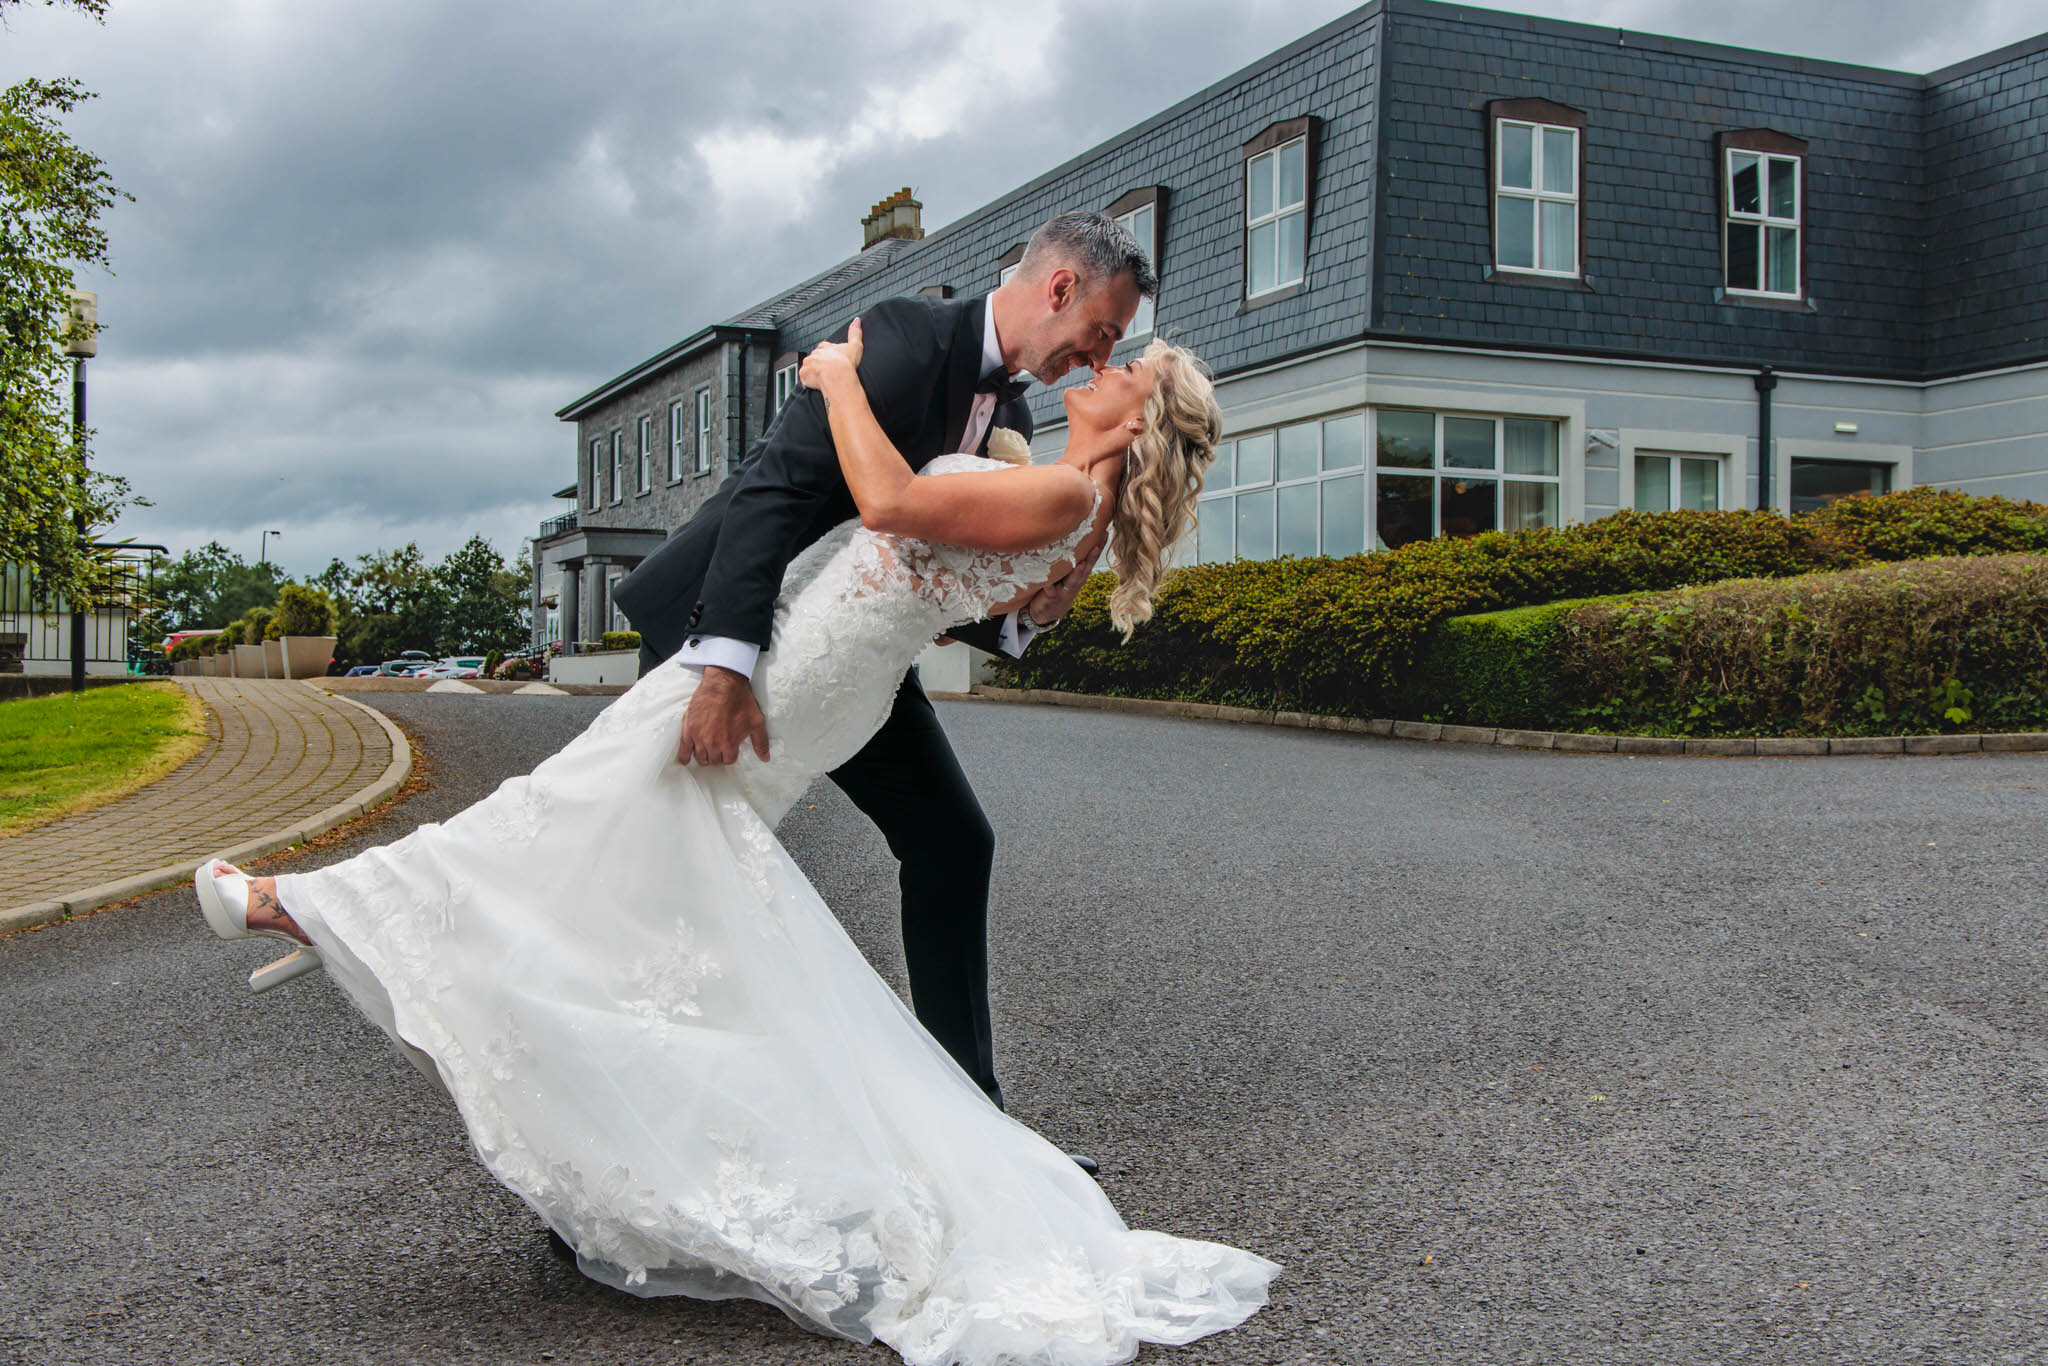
x,y
2004,743
341,813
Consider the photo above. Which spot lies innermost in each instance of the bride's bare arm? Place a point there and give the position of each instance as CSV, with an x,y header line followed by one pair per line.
x,y
1015,509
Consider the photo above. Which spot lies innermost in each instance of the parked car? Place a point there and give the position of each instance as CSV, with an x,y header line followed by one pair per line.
x,y
455,666
401,668
364,671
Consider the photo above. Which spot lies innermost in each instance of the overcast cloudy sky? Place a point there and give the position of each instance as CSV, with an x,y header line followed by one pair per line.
x,y
376,243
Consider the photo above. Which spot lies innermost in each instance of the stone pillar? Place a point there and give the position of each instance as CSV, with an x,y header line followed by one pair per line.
x,y
568,595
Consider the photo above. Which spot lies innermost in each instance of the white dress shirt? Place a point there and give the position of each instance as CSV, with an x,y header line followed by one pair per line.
x,y
741,656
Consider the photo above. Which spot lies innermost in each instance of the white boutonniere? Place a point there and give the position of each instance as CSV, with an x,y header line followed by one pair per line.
x,y
1009,446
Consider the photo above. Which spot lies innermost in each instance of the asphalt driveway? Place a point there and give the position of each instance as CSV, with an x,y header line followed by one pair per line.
x,y
1509,1056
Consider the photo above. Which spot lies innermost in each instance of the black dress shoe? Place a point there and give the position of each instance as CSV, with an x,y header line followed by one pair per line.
x,y
1086,1164
559,1245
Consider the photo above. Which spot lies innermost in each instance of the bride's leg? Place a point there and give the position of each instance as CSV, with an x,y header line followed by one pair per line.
x,y
266,912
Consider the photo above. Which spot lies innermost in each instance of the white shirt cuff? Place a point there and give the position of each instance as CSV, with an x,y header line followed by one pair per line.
x,y
1015,636
738,655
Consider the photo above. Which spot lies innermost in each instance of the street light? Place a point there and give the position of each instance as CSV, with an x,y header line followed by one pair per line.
x,y
263,544
81,341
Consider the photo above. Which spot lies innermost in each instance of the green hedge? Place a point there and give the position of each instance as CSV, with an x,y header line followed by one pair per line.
x,y
1917,648
1344,635
619,640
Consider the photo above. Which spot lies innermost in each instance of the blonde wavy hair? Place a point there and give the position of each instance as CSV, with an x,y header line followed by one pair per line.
x,y
1163,473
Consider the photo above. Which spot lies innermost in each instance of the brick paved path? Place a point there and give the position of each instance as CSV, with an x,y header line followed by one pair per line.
x,y
276,754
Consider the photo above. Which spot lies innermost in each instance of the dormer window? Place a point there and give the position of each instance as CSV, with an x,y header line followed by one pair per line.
x,y
1279,176
1538,158
1763,211
1138,213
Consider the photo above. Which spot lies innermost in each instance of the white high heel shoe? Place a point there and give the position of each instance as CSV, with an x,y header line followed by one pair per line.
x,y
224,900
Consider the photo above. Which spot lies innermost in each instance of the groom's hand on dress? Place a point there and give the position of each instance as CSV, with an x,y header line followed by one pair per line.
x,y
722,716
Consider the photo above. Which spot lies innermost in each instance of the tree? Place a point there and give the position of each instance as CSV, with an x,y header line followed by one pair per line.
x,y
212,586
486,601
52,193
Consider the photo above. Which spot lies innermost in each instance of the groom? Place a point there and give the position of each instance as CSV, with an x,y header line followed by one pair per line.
x,y
939,374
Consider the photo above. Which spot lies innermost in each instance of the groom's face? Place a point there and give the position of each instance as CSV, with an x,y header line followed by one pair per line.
x,y
1081,326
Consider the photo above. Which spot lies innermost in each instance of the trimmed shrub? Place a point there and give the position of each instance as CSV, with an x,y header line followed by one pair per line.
x,y
1343,636
1914,648
1495,668
619,640
491,660
253,624
301,611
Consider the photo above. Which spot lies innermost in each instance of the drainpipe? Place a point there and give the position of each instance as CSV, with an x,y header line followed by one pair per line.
x,y
1765,380
745,346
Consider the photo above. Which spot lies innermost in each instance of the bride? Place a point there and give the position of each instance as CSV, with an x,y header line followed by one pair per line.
x,y
726,1100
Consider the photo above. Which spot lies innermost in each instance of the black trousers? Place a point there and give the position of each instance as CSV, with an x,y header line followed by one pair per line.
x,y
908,782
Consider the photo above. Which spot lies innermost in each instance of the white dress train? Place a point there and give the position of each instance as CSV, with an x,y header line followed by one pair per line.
x,y
664,1042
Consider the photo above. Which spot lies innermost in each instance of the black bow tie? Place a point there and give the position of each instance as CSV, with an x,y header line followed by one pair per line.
x,y
1002,386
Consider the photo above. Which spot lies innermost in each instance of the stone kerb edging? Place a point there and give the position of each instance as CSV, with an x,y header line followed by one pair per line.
x,y
341,813
1573,742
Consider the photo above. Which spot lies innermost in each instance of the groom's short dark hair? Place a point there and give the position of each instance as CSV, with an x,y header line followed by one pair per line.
x,y
1095,246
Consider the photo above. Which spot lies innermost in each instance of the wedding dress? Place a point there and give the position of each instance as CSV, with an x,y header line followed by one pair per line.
x,y
663,1041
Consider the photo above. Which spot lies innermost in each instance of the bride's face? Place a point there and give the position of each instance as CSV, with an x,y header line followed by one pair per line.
x,y
1115,396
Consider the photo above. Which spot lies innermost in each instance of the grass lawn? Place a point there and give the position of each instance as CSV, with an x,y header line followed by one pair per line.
x,y
68,752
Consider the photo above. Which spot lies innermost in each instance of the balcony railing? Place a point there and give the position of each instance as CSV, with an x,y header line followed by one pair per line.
x,y
558,526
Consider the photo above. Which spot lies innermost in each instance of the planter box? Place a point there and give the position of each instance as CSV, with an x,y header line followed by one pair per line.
x,y
273,659
212,666
608,666
249,662
307,656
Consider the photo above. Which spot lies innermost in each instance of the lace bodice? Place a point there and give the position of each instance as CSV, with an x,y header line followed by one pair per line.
x,y
856,608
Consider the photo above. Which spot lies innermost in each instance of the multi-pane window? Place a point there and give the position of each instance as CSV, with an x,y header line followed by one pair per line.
x,y
703,431
1536,197
646,454
1762,228
1140,222
786,386
676,428
1454,474
618,467
1276,218
1298,490
1003,275
1668,481
596,473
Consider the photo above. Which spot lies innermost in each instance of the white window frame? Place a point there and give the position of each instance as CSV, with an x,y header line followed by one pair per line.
x,y
786,385
1497,474
703,453
1003,275
1538,195
1732,450
596,474
1763,221
675,440
1274,482
1142,320
1280,212
646,454
618,465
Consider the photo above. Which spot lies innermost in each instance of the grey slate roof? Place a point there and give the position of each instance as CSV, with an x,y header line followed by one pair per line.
x,y
1926,224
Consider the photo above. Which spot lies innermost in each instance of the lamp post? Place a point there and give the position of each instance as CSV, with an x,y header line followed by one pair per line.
x,y
81,342
263,546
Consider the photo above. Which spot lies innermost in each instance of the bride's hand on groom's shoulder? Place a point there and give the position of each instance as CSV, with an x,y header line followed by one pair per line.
x,y
833,363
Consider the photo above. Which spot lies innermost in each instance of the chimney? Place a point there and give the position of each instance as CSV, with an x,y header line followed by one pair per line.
x,y
896,216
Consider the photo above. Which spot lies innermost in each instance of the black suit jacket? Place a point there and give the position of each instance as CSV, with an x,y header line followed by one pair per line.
x,y
718,574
